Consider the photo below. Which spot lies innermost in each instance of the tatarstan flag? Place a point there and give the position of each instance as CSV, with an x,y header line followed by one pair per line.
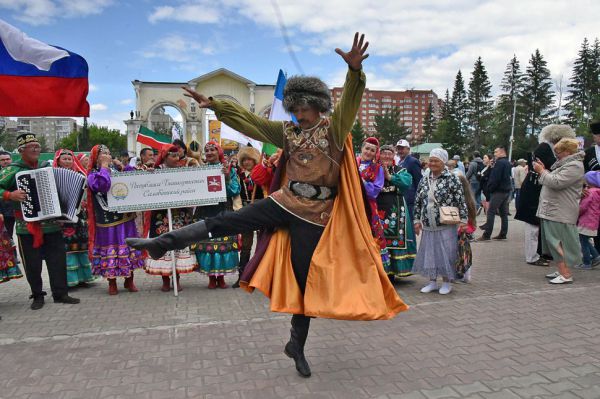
x,y
152,139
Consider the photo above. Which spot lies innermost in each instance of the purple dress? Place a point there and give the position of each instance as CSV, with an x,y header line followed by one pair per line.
x,y
111,256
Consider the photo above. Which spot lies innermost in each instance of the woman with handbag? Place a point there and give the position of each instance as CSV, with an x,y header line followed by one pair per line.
x,y
440,208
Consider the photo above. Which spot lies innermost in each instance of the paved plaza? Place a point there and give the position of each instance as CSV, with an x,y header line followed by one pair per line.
x,y
508,334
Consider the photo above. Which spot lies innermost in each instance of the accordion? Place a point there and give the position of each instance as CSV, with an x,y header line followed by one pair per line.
x,y
51,193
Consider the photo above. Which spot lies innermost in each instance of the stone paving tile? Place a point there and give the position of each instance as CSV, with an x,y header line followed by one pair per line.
x,y
508,334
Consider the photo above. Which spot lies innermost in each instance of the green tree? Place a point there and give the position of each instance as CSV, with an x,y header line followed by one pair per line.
x,y
537,93
111,138
479,106
429,124
389,127
358,136
584,82
452,131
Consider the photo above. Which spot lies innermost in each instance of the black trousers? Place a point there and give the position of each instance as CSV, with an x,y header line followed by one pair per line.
x,y
304,236
56,262
9,222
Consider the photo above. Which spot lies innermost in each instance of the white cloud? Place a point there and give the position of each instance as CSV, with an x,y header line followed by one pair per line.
x,y
98,107
93,87
43,12
177,48
197,12
126,101
423,44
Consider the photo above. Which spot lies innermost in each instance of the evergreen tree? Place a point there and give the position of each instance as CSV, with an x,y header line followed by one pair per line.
x,y
429,124
452,133
537,93
512,87
389,127
358,136
595,108
479,106
583,87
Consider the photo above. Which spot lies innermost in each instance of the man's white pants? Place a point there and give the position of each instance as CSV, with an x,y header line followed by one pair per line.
x,y
531,242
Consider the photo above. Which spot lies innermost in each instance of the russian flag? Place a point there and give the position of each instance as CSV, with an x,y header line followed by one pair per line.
x,y
277,112
37,79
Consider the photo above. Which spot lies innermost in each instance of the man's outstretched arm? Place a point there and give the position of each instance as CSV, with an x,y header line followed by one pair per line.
x,y
345,110
240,119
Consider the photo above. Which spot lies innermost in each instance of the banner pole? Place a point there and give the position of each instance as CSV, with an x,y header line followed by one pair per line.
x,y
173,260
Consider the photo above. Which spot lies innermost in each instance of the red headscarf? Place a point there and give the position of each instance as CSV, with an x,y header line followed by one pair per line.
x,y
213,143
76,167
164,152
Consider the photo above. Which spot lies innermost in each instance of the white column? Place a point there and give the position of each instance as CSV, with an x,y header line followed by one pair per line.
x,y
251,87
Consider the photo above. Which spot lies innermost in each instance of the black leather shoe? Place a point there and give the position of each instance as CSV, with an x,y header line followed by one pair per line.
x,y
294,352
67,299
236,284
38,303
499,237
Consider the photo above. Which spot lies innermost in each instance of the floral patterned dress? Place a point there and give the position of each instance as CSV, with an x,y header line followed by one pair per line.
x,y
218,256
184,261
9,267
79,269
396,222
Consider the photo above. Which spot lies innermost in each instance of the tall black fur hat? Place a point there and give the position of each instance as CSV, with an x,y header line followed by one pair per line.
x,y
595,127
306,90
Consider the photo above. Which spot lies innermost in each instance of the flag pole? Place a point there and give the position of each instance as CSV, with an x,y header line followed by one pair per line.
x,y
173,260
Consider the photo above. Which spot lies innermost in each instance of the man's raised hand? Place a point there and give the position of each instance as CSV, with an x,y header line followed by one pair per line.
x,y
201,99
356,55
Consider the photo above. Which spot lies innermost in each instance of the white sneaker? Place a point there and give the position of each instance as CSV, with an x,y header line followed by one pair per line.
x,y
553,275
561,280
432,286
446,289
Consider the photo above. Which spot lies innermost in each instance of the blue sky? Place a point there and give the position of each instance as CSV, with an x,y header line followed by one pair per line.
x,y
413,44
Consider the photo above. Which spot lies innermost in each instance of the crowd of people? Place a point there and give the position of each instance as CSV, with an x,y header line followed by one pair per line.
x,y
304,204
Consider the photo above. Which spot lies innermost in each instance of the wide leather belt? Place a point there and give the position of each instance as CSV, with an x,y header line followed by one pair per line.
x,y
312,192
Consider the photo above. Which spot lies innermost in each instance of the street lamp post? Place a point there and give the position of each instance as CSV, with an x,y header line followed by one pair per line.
x,y
512,128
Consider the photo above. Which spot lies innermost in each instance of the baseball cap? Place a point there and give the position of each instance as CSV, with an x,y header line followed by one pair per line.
x,y
403,143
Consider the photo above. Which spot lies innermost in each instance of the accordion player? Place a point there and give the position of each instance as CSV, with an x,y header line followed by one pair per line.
x,y
52,193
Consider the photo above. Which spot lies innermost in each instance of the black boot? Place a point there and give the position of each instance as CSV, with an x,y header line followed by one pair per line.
x,y
177,239
38,301
66,299
295,347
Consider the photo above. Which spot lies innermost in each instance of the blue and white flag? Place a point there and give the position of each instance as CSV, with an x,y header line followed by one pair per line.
x,y
277,112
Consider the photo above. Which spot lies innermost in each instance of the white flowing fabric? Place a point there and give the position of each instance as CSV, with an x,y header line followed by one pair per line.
x,y
26,49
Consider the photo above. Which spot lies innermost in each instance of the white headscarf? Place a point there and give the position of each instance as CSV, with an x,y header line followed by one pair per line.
x,y
440,154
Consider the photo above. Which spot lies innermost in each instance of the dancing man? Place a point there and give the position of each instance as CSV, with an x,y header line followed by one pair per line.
x,y
322,261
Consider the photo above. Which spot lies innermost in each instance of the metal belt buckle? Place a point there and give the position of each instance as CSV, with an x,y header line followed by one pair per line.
x,y
304,190
325,193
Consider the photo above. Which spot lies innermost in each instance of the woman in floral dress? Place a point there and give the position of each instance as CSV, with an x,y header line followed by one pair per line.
x,y
79,270
395,217
218,257
157,223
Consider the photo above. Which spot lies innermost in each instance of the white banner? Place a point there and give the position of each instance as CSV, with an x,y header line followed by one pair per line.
x,y
233,135
166,188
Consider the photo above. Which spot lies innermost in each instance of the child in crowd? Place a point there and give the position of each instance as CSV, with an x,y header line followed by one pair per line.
x,y
589,219
465,235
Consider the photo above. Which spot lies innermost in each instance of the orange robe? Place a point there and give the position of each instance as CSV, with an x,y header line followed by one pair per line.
x,y
346,279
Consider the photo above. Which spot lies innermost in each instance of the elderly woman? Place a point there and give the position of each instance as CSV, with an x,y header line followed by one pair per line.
x,y
529,196
559,207
438,250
